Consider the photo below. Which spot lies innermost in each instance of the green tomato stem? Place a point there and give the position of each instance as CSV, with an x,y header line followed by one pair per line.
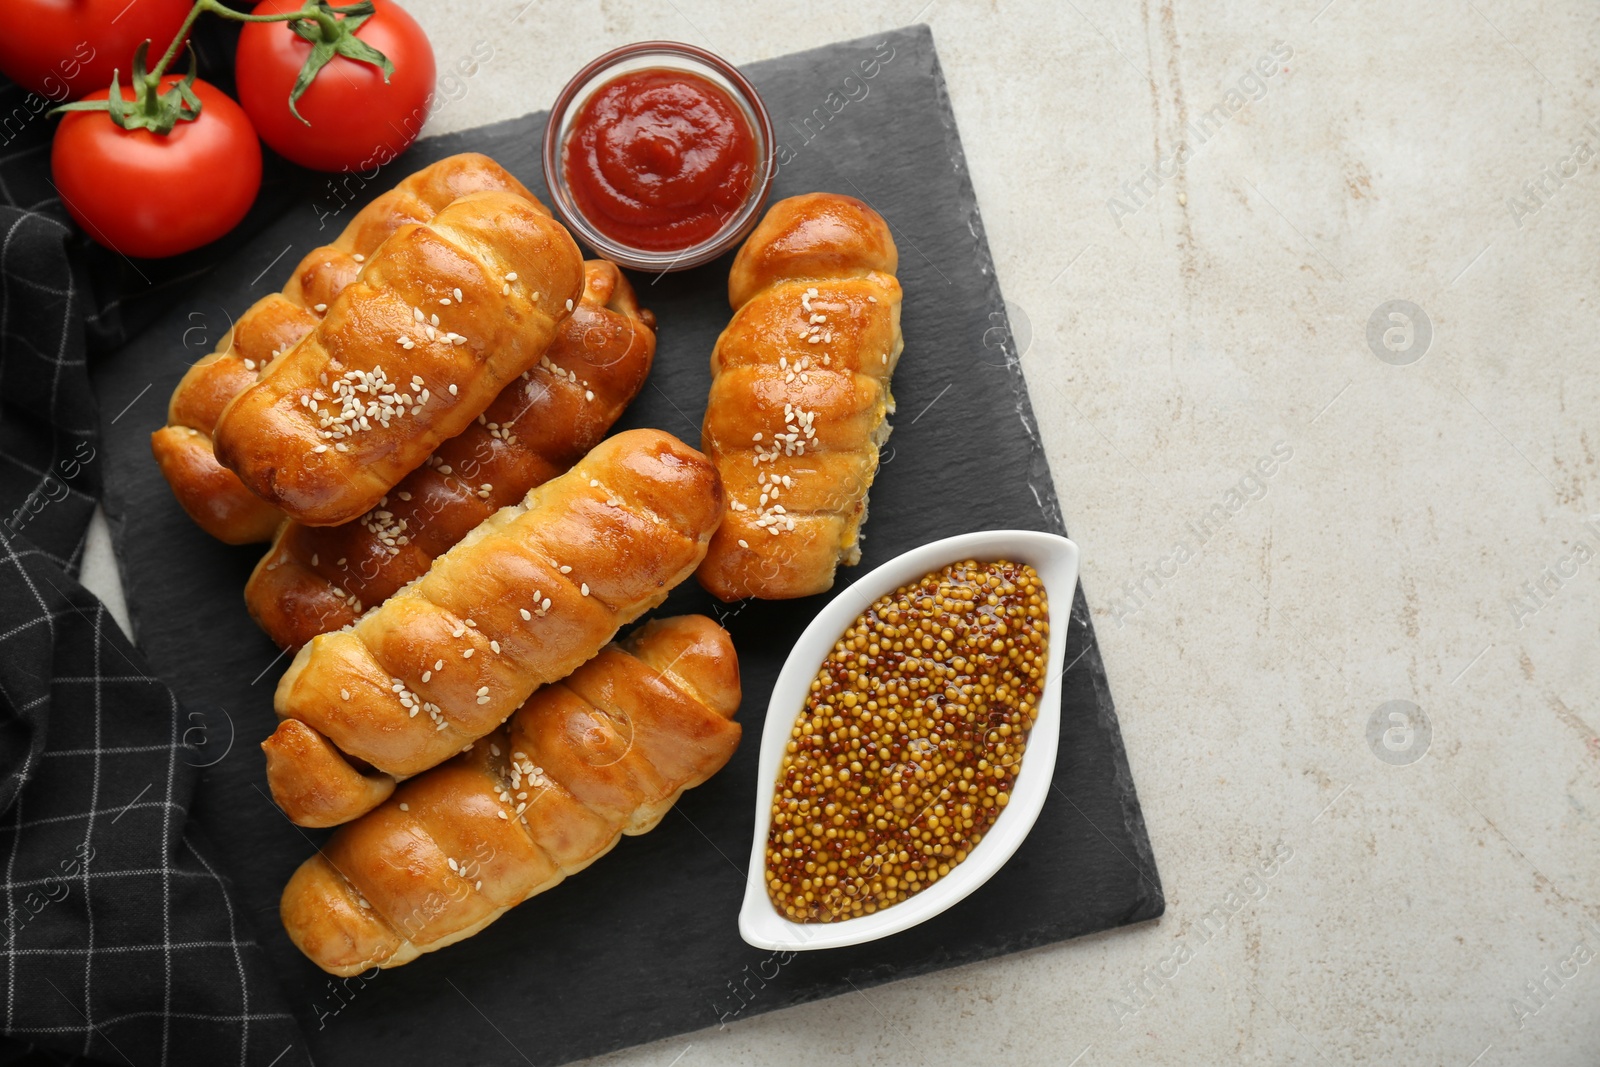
x,y
310,10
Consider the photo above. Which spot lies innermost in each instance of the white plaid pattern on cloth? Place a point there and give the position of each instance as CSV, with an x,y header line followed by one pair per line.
x,y
121,941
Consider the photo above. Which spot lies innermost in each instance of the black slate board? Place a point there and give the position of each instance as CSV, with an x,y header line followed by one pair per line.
x,y
645,944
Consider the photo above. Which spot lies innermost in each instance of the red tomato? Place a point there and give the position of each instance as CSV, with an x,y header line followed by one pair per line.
x,y
147,194
357,121
62,49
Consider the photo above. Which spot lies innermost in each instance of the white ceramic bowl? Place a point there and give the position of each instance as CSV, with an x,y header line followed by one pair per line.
x,y
1056,560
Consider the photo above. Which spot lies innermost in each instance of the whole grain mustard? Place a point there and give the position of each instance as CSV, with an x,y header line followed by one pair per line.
x,y
909,742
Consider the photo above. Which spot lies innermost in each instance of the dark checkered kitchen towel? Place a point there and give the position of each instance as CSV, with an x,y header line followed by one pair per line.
x,y
121,941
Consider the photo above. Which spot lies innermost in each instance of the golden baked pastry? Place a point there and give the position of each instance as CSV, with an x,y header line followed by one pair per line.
x,y
800,395
527,596
605,752
213,495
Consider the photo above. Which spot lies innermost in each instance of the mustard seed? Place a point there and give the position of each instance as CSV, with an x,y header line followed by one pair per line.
x,y
909,742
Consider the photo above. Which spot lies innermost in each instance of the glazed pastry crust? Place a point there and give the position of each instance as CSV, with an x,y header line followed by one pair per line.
x,y
318,578
525,598
800,396
603,753
442,317
211,494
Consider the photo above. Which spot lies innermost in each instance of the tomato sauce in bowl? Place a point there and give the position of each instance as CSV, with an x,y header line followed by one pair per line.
x,y
659,156
660,159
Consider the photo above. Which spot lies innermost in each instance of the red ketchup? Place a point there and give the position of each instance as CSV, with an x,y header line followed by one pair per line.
x,y
659,159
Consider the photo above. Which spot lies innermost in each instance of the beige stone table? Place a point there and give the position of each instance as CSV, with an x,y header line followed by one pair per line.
x,y
1356,243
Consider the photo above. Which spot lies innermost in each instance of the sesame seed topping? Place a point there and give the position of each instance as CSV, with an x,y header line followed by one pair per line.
x,y
319,308
467,654
584,589
526,615
344,694
452,388
359,258
512,276
404,806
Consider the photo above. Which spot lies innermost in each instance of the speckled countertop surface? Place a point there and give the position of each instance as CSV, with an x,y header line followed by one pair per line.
x,y
1358,692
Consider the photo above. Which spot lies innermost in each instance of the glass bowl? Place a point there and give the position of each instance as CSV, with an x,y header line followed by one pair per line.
x,y
668,55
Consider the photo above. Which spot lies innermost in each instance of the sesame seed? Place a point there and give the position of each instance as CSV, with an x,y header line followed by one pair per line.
x,y
319,308
511,277
482,690
344,694
565,569
320,448
404,806
584,589
494,646
359,258
467,654
438,665
427,675
472,624
452,388
505,290
743,543
503,815
569,305
526,615
458,295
